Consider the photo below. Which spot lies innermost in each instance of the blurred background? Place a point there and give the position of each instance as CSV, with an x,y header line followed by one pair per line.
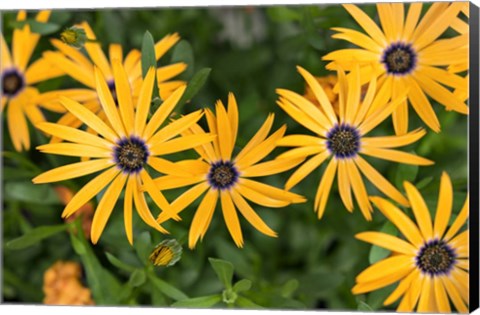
x,y
251,51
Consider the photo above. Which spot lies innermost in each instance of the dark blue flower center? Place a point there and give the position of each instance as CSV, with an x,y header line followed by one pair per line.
x,y
399,58
131,154
12,82
343,141
435,258
222,175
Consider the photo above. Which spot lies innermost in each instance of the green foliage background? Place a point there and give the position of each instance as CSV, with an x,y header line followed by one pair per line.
x,y
311,265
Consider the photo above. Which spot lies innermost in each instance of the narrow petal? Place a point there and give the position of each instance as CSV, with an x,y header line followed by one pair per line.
x,y
387,20
424,305
260,199
396,156
444,77
359,190
300,140
374,119
171,182
301,152
91,189
74,70
89,118
420,210
364,287
252,217
167,42
441,296
394,141
357,38
353,95
411,21
143,102
399,264
123,90
324,188
142,208
181,144
301,118
5,53
388,241
105,207
94,50
212,126
272,192
306,168
157,195
132,60
231,218
344,187
127,209
259,137
17,124
400,220
74,149
167,72
108,104
177,169
402,287
174,128
233,116
200,219
271,167
411,296
41,70
34,114
366,23
184,200
73,170
422,106
163,112
461,280
459,221
74,135
380,182
115,53
367,101
224,132
261,150
444,206
320,95
454,295
400,114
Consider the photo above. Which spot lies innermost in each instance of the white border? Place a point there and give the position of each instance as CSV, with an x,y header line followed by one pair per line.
x,y
58,4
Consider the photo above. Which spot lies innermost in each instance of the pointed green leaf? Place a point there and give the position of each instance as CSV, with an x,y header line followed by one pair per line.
x,y
166,288
42,28
183,52
242,285
137,278
143,246
148,59
362,306
27,191
243,302
36,235
119,264
193,87
224,271
202,301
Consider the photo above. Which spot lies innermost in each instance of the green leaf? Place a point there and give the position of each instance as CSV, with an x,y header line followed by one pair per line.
x,y
77,245
202,301
242,285
166,288
362,306
283,14
36,235
42,28
224,271
424,182
106,289
193,87
377,253
143,246
29,192
243,302
405,172
183,52
137,278
119,264
289,287
149,60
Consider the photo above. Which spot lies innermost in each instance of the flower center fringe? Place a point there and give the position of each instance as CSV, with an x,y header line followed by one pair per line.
x,y
435,258
343,141
131,154
222,175
12,82
399,58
